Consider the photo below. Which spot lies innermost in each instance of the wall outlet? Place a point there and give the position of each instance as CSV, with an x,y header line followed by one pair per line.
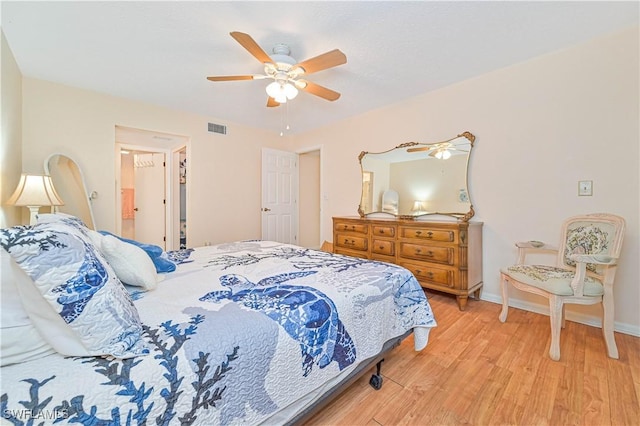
x,y
585,188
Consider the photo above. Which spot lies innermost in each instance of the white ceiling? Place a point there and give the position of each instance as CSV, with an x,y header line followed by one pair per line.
x,y
162,52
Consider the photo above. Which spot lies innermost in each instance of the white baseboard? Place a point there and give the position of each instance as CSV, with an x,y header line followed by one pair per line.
x,y
593,321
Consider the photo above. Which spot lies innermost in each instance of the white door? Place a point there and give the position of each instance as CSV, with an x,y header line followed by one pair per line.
x,y
279,196
150,225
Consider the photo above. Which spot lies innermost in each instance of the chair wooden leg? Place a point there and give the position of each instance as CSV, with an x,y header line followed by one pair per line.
x,y
555,311
607,326
563,316
504,284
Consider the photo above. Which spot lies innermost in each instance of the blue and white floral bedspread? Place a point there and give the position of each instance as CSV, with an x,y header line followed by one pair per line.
x,y
237,333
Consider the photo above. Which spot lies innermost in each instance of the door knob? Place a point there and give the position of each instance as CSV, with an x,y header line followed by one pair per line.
x,y
266,209
135,209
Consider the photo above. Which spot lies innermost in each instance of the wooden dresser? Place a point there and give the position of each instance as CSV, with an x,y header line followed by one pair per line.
x,y
443,256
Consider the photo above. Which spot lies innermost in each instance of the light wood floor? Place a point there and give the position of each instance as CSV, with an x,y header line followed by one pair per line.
x,y
478,371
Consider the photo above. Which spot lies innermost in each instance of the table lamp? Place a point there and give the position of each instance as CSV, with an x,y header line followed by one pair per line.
x,y
35,191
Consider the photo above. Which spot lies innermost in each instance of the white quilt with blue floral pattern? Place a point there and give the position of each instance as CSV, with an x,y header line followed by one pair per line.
x,y
237,334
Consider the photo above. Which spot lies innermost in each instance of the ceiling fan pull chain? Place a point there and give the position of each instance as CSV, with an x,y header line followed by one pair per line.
x,y
287,118
281,122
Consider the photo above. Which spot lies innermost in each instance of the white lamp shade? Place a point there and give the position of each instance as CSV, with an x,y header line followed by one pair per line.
x,y
290,91
281,92
35,190
418,206
273,89
280,98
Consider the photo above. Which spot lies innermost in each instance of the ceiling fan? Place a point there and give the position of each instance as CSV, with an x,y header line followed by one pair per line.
x,y
285,71
441,151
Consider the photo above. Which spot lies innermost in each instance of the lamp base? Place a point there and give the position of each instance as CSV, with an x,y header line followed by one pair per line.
x,y
34,211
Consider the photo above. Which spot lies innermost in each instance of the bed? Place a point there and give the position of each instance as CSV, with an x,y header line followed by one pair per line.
x,y
248,332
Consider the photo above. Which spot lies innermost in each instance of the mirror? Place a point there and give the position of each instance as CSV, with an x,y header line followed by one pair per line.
x,y
70,185
427,179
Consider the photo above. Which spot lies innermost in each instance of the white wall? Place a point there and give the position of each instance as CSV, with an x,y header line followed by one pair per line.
x,y
10,133
540,127
224,191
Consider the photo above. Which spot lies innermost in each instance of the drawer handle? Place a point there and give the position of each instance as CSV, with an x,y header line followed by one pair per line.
x,y
428,254
381,247
381,231
429,234
349,243
428,273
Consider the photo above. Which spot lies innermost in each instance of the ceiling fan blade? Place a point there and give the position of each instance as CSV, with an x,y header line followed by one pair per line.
x,y
272,102
418,149
330,59
231,77
316,89
252,47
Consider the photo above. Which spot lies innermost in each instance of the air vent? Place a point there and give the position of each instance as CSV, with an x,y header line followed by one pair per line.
x,y
218,128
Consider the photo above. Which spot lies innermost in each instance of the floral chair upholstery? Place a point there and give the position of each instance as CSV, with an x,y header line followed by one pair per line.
x,y
584,273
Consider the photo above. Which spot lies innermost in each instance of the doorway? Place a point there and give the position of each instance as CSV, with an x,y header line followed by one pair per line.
x,y
310,202
143,196
151,201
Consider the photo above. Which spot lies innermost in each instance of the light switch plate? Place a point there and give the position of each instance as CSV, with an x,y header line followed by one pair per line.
x,y
585,188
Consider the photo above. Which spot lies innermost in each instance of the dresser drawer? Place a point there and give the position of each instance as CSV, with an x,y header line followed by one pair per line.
x,y
382,258
427,253
440,235
383,231
430,274
351,242
352,253
386,247
359,228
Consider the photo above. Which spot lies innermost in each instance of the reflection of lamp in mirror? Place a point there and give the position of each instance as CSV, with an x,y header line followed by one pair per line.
x,y
418,207
35,191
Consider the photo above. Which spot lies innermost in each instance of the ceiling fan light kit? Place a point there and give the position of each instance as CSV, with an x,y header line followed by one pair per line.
x,y
442,154
286,72
281,91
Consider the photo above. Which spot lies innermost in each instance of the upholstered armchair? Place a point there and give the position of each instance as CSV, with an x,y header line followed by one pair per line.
x,y
584,273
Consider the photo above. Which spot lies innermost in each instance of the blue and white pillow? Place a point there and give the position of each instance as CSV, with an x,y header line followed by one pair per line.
x,y
77,303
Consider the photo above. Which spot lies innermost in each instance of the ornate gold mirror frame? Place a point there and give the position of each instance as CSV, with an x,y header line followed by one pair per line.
x,y
427,179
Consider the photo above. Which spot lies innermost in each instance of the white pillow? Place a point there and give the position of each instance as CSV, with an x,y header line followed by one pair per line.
x,y
55,217
75,300
19,339
21,344
13,313
131,264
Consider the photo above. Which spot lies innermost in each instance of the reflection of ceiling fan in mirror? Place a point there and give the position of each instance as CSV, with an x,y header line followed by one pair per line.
x,y
441,151
286,72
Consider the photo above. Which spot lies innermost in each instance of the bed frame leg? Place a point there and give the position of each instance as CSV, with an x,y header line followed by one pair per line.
x,y
376,379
